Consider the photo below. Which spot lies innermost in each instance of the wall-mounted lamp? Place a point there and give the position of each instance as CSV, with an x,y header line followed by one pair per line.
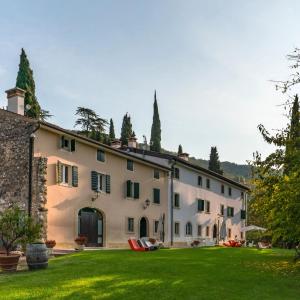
x,y
96,195
147,203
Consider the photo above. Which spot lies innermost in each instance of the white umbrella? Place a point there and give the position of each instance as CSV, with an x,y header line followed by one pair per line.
x,y
252,227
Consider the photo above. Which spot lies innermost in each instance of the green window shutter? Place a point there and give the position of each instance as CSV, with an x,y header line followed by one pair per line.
x,y
94,180
62,141
136,186
156,196
243,214
207,206
107,181
74,176
59,172
128,188
73,143
200,205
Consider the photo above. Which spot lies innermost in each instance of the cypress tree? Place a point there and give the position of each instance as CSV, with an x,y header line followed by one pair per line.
x,y
180,151
156,128
126,130
112,135
214,162
25,81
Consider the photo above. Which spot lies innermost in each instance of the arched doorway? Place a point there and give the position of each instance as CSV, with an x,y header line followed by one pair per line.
x,y
215,231
90,225
143,227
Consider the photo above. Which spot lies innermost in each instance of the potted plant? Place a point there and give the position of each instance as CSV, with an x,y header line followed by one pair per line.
x,y
80,241
50,244
15,228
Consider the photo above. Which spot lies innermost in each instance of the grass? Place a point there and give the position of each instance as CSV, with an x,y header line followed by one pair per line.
x,y
202,273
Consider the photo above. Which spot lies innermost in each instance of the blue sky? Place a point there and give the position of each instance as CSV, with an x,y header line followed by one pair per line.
x,y
211,63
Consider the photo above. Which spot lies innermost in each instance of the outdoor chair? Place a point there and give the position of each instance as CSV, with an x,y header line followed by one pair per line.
x,y
135,246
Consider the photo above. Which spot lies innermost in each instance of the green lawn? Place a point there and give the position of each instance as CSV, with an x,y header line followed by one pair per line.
x,y
203,273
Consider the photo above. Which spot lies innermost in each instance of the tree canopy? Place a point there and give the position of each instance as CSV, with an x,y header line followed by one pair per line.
x,y
214,163
126,130
155,141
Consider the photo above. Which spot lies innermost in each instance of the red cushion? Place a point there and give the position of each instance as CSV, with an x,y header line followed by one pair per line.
x,y
134,245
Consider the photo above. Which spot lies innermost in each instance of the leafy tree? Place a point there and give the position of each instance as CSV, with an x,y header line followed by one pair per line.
x,y
86,120
214,162
26,82
180,151
155,141
126,130
112,134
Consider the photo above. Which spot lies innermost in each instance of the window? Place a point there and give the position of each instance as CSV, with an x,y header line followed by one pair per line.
x,y
229,233
100,182
207,206
242,235
100,155
229,191
200,204
243,214
67,144
176,228
222,189
130,224
207,183
156,174
230,211
65,174
132,189
200,180
207,230
222,209
156,226
176,173
129,165
156,196
188,228
176,200
199,231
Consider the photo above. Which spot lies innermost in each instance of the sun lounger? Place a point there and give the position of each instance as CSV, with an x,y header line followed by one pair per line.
x,y
135,246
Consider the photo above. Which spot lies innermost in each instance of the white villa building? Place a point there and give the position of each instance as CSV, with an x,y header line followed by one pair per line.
x,y
206,206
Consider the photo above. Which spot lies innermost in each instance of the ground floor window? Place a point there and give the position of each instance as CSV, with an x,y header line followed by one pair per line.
x,y
188,228
199,230
156,226
176,228
207,231
130,224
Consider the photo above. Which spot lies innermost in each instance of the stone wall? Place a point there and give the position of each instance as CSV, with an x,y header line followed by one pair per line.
x,y
15,131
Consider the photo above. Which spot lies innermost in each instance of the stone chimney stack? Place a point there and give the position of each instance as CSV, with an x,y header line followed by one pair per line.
x,y
116,144
132,142
184,156
15,100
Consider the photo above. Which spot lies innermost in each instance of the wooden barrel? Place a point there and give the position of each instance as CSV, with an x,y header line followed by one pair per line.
x,y
37,256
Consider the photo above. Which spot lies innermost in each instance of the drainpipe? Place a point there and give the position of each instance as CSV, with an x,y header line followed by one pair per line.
x,y
172,205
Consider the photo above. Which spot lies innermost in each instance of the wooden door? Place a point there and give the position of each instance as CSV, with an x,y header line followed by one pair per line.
x,y
89,228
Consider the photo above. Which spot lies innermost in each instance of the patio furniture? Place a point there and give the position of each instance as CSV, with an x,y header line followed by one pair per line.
x,y
263,245
135,246
147,244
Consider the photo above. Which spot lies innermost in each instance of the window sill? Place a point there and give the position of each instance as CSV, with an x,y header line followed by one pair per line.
x,y
65,185
156,203
176,207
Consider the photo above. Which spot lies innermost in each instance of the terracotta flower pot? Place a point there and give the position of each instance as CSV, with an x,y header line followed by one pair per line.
x,y
9,263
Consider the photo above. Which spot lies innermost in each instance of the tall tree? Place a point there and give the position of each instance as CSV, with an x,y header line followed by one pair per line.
x,y
112,134
214,161
86,119
155,129
126,130
180,151
25,81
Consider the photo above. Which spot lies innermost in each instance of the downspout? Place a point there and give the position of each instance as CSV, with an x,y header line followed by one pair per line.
x,y
172,204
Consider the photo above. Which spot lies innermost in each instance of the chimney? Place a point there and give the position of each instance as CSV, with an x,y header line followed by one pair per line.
x,y
132,142
15,100
184,156
116,144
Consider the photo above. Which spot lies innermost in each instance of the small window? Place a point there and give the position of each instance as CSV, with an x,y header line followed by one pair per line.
x,y
200,180
67,143
156,196
156,174
156,226
130,224
200,204
207,183
229,191
132,189
230,211
100,155
176,173
188,228
207,231
229,233
222,209
199,231
207,206
176,200
65,174
129,165
222,189
176,228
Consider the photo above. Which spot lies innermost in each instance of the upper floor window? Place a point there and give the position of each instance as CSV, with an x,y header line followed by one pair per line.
x,y
132,189
200,180
67,175
230,211
100,182
207,183
176,173
176,200
156,174
203,205
100,155
222,189
188,228
156,196
130,224
67,144
129,165
229,191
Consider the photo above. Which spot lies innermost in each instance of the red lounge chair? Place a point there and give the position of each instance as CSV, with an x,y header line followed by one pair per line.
x,y
135,246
